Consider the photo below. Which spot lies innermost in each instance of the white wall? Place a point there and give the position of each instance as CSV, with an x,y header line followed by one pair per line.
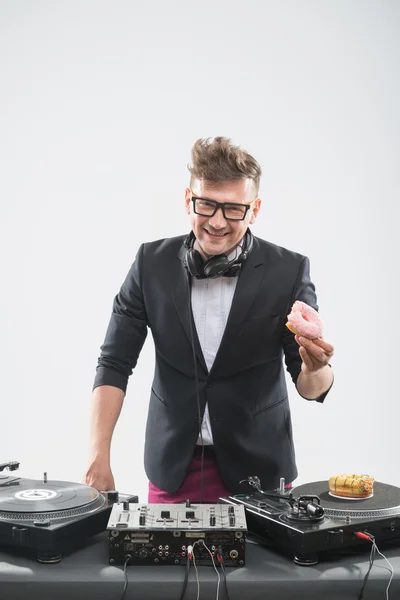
x,y
100,103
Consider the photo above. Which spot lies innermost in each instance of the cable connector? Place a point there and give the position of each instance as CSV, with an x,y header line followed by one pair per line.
x,y
190,552
362,536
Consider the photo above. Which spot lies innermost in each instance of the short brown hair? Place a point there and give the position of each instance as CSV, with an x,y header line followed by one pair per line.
x,y
218,160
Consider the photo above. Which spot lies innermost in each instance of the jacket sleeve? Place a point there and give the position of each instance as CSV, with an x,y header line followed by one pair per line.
x,y
303,290
126,332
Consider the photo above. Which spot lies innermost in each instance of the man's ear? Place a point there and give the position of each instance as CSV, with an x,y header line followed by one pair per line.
x,y
188,196
256,210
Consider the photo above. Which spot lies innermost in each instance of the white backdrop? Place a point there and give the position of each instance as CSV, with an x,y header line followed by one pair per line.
x,y
100,103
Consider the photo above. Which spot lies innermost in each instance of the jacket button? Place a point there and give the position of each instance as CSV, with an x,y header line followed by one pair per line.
x,y
209,385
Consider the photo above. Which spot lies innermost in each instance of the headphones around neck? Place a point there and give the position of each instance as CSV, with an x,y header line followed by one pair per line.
x,y
218,265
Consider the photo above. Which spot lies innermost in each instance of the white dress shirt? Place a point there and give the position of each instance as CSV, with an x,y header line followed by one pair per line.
x,y
211,304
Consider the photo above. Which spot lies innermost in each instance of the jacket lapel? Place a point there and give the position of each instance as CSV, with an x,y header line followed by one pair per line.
x,y
184,307
247,287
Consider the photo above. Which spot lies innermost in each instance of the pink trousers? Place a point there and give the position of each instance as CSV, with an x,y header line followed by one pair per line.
x,y
213,486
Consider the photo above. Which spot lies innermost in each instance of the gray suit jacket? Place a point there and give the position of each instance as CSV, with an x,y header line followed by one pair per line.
x,y
246,387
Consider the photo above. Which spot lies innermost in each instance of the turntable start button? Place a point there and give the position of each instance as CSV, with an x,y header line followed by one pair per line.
x,y
42,523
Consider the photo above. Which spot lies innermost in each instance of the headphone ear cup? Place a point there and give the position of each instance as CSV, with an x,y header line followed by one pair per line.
x,y
233,271
195,263
216,266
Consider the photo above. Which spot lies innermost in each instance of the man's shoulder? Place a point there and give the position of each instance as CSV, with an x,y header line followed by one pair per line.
x,y
164,245
274,251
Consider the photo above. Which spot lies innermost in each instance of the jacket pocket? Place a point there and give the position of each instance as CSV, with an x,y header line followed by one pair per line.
x,y
158,397
269,407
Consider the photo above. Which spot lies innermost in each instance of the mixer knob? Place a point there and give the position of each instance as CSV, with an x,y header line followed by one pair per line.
x,y
142,519
212,520
231,509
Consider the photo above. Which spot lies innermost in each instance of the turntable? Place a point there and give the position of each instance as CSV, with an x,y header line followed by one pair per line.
x,y
48,518
306,521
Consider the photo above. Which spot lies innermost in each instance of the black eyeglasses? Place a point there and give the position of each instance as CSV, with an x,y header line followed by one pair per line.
x,y
231,210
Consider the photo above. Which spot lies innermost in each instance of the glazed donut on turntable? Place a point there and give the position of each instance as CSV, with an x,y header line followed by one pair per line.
x,y
305,321
351,486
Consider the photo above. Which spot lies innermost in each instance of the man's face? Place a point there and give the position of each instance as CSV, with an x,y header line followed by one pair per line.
x,y
217,235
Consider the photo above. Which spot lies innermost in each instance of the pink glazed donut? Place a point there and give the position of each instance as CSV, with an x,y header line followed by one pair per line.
x,y
305,321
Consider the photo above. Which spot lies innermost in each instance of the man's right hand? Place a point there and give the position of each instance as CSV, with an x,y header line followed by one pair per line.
x,y
106,406
99,476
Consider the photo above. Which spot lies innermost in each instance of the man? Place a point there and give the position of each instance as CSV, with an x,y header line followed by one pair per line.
x,y
216,302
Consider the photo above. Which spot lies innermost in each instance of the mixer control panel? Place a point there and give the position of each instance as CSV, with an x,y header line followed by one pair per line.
x,y
154,534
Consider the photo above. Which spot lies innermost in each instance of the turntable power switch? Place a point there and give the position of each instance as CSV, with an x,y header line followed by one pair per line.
x,y
20,534
113,495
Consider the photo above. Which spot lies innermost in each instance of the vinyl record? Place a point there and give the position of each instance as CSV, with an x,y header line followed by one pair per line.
x,y
30,496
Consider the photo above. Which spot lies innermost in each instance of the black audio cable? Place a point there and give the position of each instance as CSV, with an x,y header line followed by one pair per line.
x,y
128,558
185,581
197,387
221,563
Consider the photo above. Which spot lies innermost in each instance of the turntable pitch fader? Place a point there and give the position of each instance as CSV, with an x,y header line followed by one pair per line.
x,y
159,534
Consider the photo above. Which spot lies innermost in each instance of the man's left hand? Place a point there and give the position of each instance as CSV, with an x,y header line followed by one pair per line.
x,y
315,354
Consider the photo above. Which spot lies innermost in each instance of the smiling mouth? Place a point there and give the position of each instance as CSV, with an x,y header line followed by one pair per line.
x,y
215,235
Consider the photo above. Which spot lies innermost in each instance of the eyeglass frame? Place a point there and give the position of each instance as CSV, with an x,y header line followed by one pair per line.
x,y
220,205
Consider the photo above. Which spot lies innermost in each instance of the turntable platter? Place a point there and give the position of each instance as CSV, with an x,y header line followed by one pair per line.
x,y
384,502
56,498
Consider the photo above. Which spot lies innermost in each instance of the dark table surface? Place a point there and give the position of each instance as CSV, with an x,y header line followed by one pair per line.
x,y
268,575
